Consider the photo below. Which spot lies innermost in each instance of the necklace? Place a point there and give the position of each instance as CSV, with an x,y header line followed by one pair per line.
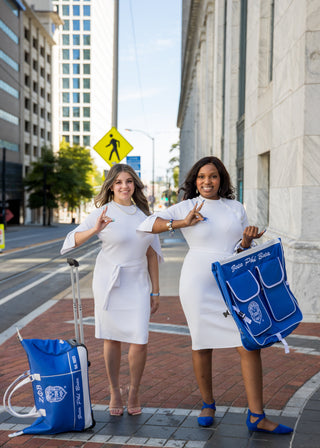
x,y
123,210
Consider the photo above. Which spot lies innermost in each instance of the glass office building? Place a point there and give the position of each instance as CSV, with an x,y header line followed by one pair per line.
x,y
83,60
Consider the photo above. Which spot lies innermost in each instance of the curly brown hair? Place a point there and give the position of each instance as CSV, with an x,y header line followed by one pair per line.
x,y
226,190
106,195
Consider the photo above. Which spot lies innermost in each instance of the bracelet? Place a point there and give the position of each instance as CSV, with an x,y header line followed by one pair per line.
x,y
169,225
243,248
154,294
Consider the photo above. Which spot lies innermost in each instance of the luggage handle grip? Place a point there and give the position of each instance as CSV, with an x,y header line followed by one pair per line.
x,y
73,262
23,379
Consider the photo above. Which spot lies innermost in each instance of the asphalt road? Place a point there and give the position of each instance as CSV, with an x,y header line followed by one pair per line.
x,y
32,270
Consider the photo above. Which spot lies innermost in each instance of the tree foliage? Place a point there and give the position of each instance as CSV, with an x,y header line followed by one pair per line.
x,y
75,169
66,177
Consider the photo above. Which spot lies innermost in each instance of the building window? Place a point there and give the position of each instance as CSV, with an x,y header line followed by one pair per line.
x,y
35,129
27,80
27,103
65,39
86,69
76,10
13,64
86,25
76,83
35,86
42,72
35,150
27,126
49,58
66,111
65,10
86,39
42,51
86,111
86,54
66,138
65,55
86,97
76,111
66,25
86,10
76,54
49,78
86,83
76,25
35,43
42,92
76,126
35,65
48,135
65,69
35,108
42,133
9,32
49,117
76,69
76,97
76,39
65,83
76,139
7,88
65,126
26,34
49,97
27,148
66,97
86,126
86,140
27,57
42,112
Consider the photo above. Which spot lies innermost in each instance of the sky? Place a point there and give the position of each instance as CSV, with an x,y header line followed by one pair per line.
x,y
149,79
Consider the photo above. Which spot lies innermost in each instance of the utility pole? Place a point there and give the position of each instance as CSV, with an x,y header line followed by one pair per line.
x,y
114,118
3,204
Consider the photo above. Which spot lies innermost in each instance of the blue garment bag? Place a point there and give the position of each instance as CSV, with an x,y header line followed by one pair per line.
x,y
255,289
59,377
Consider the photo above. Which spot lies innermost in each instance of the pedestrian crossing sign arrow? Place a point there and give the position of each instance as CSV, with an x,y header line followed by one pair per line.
x,y
113,147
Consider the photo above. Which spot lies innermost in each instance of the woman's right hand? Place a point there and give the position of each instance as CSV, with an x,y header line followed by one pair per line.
x,y
194,216
102,221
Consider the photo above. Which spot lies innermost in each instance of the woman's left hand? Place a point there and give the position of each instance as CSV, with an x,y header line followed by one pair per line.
x,y
250,233
154,303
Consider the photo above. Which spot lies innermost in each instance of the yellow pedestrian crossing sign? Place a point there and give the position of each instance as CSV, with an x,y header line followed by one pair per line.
x,y
113,147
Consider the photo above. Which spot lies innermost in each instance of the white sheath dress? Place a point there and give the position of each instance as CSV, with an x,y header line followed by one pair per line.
x,y
208,241
121,283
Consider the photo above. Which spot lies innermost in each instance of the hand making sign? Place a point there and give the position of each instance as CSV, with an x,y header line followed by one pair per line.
x,y
113,147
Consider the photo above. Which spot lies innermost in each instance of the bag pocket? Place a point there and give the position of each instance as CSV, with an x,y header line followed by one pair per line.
x,y
245,291
278,296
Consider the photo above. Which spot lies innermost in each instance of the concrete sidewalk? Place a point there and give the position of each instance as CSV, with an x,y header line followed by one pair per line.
x,y
169,393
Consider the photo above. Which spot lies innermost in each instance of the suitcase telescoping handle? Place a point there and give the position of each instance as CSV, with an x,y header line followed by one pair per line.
x,y
77,307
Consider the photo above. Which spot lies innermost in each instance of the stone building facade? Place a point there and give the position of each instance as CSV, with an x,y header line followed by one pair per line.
x,y
250,94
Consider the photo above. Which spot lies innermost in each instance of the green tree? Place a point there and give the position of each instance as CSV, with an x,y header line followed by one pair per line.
x,y
175,163
41,184
75,174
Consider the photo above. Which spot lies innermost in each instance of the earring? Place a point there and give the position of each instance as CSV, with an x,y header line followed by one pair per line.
x,y
197,192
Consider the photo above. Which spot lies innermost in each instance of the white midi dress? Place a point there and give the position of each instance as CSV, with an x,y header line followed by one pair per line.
x,y
121,283
209,241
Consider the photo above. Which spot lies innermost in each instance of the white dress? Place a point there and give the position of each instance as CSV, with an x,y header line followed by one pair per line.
x,y
121,283
208,241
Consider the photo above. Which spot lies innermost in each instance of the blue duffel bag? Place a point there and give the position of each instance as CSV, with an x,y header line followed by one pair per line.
x,y
59,377
255,289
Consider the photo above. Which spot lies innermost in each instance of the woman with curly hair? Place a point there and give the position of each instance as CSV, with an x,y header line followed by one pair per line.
x,y
125,279
214,225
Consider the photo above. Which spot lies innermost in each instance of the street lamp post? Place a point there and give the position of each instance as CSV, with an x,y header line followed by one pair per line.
x,y
152,138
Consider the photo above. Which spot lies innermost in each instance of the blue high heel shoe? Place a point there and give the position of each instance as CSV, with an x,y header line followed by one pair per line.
x,y
280,429
207,421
